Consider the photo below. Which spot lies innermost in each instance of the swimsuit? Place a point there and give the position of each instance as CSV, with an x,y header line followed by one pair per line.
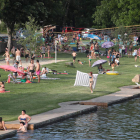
x,y
18,58
27,55
74,57
38,72
112,67
32,71
23,119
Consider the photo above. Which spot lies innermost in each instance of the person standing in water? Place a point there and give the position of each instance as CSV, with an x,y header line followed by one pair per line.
x,y
38,70
74,56
91,81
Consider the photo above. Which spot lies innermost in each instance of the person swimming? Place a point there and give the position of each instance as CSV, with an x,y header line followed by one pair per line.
x,y
23,127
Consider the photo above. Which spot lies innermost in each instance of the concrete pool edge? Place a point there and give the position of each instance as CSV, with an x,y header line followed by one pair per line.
x,y
7,134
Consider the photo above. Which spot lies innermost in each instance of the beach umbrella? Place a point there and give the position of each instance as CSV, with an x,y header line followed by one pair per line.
x,y
11,68
107,44
92,36
98,62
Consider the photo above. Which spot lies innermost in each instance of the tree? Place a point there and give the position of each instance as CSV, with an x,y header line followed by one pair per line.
x,y
123,32
117,12
31,32
17,11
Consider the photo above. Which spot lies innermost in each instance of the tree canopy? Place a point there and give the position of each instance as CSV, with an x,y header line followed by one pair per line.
x,y
117,12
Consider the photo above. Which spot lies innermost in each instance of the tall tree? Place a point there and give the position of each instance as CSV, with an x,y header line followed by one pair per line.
x,y
17,11
117,12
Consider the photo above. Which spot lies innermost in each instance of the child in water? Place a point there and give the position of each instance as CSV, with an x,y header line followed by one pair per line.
x,y
81,63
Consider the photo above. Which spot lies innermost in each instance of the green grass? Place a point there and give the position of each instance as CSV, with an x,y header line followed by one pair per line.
x,y
37,98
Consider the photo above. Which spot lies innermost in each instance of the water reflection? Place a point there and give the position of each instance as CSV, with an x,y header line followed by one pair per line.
x,y
120,121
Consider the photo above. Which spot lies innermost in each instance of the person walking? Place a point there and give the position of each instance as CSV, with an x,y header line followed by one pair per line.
x,y
38,70
13,51
91,81
7,57
18,54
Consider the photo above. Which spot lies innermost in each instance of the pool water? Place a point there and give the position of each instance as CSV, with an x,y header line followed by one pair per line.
x,y
120,121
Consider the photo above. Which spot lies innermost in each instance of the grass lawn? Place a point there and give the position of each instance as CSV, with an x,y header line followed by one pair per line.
x,y
37,98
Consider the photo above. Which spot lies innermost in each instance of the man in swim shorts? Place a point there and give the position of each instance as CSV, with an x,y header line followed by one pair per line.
x,y
74,56
18,56
31,69
38,70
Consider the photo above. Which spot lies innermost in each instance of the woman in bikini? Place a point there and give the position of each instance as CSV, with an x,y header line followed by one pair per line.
x,y
2,124
24,117
91,81
2,87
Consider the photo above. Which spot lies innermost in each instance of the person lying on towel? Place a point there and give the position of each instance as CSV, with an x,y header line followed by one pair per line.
x,y
2,87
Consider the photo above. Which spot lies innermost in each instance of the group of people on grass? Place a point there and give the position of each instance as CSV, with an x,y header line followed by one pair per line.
x,y
24,119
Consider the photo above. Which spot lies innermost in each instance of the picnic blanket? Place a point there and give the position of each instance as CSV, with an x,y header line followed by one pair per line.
x,y
82,79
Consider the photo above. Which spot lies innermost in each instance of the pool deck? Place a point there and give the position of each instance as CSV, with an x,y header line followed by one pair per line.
x,y
7,134
125,93
74,108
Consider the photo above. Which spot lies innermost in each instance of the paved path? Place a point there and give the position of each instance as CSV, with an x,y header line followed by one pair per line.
x,y
125,93
26,64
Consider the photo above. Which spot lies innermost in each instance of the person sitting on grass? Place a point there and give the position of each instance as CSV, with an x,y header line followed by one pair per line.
x,y
81,63
23,127
44,72
101,69
2,87
24,78
2,124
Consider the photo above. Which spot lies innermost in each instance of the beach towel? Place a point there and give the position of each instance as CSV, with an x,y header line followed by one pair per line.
x,y
82,79
4,91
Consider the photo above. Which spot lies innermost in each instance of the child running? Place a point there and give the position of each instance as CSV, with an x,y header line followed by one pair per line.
x,y
74,56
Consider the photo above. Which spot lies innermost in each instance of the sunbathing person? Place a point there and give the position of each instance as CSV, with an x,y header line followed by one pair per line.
x,y
81,63
23,127
24,117
2,87
24,78
44,72
2,124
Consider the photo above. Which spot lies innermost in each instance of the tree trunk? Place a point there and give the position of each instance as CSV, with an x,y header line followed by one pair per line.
x,y
9,43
